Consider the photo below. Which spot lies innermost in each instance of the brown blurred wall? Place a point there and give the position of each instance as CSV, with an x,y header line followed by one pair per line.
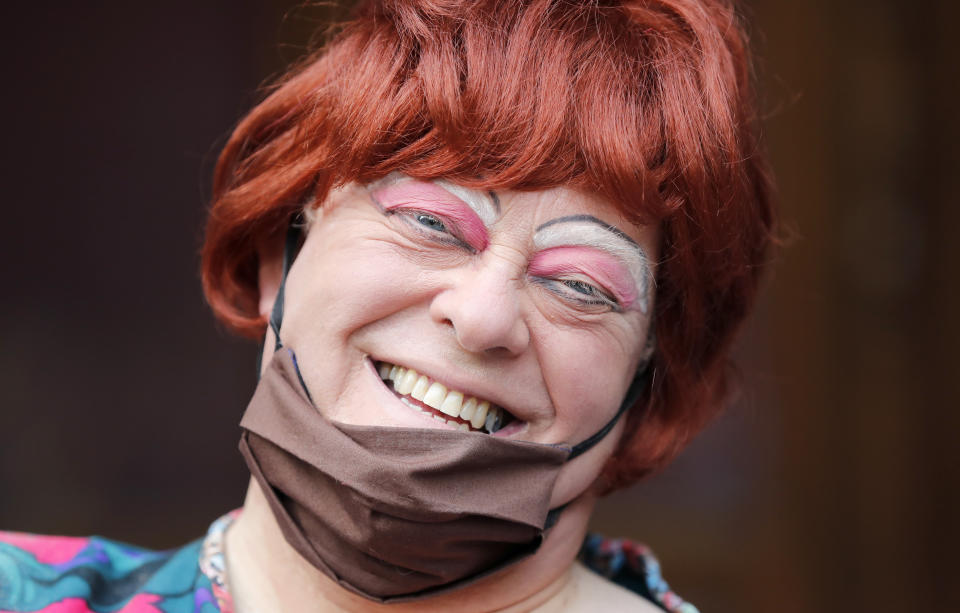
x,y
831,486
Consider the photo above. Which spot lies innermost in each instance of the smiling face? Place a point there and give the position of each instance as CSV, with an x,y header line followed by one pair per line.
x,y
429,305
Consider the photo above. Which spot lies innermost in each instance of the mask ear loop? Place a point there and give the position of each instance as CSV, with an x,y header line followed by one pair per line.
x,y
290,249
637,386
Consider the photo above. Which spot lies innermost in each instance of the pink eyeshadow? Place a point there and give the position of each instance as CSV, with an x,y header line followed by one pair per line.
x,y
433,199
605,269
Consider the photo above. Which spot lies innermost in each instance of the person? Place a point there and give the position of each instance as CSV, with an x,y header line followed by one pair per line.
x,y
498,253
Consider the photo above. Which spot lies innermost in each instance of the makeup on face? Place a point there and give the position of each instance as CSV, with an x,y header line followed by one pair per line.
x,y
390,288
600,266
485,204
583,243
569,245
469,213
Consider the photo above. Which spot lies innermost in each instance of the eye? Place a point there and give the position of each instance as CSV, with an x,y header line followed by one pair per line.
x,y
583,288
430,221
579,292
589,294
435,228
584,277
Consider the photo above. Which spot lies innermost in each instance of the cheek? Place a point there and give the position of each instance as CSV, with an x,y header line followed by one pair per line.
x,y
340,284
586,374
587,379
336,288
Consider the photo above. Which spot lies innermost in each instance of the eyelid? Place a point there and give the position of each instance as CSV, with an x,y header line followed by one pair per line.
x,y
566,293
602,293
450,234
603,270
434,200
597,235
600,290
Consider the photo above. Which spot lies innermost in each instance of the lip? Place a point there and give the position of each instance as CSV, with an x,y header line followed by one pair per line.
x,y
512,428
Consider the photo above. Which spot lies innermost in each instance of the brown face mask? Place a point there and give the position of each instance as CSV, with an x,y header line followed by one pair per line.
x,y
397,513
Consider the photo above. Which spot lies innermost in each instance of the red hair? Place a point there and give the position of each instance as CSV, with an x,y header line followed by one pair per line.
x,y
647,102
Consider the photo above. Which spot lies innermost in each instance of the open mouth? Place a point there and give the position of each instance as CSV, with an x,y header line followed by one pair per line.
x,y
457,409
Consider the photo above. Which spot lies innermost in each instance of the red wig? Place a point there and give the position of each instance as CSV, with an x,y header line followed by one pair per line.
x,y
647,102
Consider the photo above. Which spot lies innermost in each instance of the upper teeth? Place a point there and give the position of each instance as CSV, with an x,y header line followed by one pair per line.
x,y
408,382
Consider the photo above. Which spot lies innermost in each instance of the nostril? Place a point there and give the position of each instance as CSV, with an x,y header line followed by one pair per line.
x,y
448,323
497,352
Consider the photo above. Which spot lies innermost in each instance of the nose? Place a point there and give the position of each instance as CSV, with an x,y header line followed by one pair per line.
x,y
482,306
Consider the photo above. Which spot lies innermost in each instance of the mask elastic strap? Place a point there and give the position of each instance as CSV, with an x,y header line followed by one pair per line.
x,y
289,253
636,388
276,315
553,515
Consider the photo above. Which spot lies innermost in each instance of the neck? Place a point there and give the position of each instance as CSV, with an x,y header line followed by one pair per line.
x,y
265,573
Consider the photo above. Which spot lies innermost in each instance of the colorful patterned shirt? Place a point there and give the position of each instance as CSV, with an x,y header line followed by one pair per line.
x,y
61,574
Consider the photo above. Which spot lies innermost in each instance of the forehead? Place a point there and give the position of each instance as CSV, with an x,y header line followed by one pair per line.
x,y
559,201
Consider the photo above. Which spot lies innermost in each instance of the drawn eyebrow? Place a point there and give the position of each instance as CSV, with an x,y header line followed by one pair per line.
x,y
591,219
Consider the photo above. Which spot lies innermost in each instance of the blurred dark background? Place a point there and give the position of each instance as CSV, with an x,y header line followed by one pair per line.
x,y
831,486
